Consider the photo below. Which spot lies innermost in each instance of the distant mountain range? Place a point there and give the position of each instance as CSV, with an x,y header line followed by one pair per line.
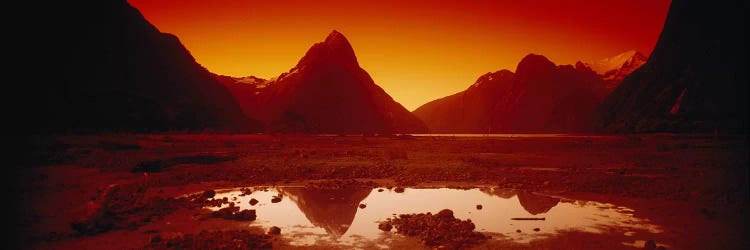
x,y
326,92
114,71
540,97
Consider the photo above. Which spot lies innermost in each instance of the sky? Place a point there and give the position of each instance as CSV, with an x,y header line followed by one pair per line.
x,y
417,51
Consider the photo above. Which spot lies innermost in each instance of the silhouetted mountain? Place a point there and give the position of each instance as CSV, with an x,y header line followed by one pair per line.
x,y
536,204
613,69
469,111
540,97
695,79
332,210
327,92
117,72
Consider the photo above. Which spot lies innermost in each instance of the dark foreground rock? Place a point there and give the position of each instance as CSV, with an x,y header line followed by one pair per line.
x,y
155,166
439,230
234,213
274,230
238,239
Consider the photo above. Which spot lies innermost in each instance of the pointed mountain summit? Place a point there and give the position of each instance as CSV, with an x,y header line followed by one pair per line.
x,y
327,92
334,50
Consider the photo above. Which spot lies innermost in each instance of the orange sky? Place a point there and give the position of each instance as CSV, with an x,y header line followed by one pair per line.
x,y
416,50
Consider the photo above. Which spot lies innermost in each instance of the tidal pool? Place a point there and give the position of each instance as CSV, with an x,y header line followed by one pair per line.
x,y
309,216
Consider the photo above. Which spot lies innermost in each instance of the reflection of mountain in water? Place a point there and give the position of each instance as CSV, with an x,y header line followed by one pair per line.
x,y
532,203
332,210
536,204
504,193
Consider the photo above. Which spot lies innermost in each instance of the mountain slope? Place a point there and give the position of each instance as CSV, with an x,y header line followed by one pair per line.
x,y
119,73
613,70
695,79
328,92
539,97
468,111
616,68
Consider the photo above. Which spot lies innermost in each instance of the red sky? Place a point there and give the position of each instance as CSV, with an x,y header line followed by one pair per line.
x,y
416,50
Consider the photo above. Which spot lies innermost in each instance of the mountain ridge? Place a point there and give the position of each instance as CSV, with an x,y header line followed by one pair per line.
x,y
537,98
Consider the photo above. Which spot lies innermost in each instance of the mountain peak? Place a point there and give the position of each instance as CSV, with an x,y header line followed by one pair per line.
x,y
533,64
335,36
334,50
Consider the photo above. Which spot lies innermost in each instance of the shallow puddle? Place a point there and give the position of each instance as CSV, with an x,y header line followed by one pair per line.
x,y
309,216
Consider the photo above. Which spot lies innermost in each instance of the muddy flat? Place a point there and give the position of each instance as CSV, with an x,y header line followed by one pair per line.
x,y
322,192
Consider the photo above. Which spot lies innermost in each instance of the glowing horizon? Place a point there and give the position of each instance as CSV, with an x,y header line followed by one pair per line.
x,y
457,41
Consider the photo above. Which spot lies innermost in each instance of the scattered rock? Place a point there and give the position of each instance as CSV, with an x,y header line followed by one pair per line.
x,y
245,191
536,229
209,193
398,190
253,201
441,229
380,190
275,199
238,239
479,207
362,206
518,230
385,226
234,213
274,230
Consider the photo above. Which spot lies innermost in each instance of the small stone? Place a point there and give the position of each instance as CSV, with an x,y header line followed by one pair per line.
x,y
253,201
275,199
518,230
398,190
479,207
380,190
247,214
362,206
536,229
385,226
274,230
447,213
209,193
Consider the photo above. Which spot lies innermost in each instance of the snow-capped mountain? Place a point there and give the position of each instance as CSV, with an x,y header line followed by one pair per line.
x,y
615,69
